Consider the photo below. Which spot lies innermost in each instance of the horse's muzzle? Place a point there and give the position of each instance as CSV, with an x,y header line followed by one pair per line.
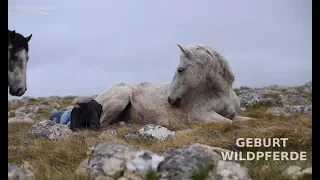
x,y
19,92
175,102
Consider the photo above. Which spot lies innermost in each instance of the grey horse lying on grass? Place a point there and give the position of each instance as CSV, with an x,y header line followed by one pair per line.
x,y
201,90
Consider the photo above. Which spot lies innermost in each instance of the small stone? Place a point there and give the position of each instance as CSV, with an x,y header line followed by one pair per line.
x,y
152,132
122,124
292,170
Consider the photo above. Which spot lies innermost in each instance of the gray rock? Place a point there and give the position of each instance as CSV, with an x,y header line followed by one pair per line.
x,y
295,172
181,163
20,120
49,130
25,172
152,132
288,110
29,111
294,99
287,96
113,160
144,161
302,109
26,98
227,170
250,97
268,101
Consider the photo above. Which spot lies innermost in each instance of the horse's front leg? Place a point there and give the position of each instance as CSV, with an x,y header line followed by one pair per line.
x,y
210,116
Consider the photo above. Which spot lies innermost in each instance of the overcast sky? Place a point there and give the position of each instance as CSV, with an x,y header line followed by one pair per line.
x,y
83,47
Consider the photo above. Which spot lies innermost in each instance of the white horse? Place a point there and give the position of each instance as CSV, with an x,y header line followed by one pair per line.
x,y
201,90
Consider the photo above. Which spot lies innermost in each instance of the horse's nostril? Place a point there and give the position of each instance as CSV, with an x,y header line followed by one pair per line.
x,y
169,100
19,91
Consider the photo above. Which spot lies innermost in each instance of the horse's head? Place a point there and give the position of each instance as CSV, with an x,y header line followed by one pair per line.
x,y
199,67
87,115
17,62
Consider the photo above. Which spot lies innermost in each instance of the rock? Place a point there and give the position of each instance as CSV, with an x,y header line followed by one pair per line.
x,y
288,110
295,172
278,111
144,161
25,172
268,101
302,109
308,170
181,163
122,124
29,111
49,130
250,97
81,99
275,95
20,120
294,99
292,170
152,132
113,160
109,132
230,170
26,98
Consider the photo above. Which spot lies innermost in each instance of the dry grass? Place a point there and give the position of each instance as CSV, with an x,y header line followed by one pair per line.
x,y
59,159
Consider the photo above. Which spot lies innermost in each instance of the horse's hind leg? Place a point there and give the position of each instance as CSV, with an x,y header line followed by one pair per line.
x,y
114,101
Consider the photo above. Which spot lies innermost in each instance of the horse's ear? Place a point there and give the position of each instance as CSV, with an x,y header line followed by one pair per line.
x,y
207,51
28,38
185,52
12,35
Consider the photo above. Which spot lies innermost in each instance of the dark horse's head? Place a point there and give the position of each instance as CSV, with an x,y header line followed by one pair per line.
x,y
87,115
17,62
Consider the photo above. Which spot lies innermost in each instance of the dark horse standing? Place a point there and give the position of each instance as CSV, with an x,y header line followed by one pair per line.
x,y
17,62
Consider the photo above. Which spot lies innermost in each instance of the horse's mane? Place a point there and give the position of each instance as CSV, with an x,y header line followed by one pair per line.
x,y
217,61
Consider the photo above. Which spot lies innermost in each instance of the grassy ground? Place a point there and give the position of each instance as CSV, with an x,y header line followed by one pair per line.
x,y
59,159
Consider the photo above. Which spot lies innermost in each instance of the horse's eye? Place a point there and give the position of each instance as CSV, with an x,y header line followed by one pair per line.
x,y
180,70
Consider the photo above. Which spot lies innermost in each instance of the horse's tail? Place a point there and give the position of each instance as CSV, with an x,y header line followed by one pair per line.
x,y
114,101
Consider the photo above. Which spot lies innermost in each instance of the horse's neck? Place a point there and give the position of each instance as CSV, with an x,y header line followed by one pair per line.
x,y
209,91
